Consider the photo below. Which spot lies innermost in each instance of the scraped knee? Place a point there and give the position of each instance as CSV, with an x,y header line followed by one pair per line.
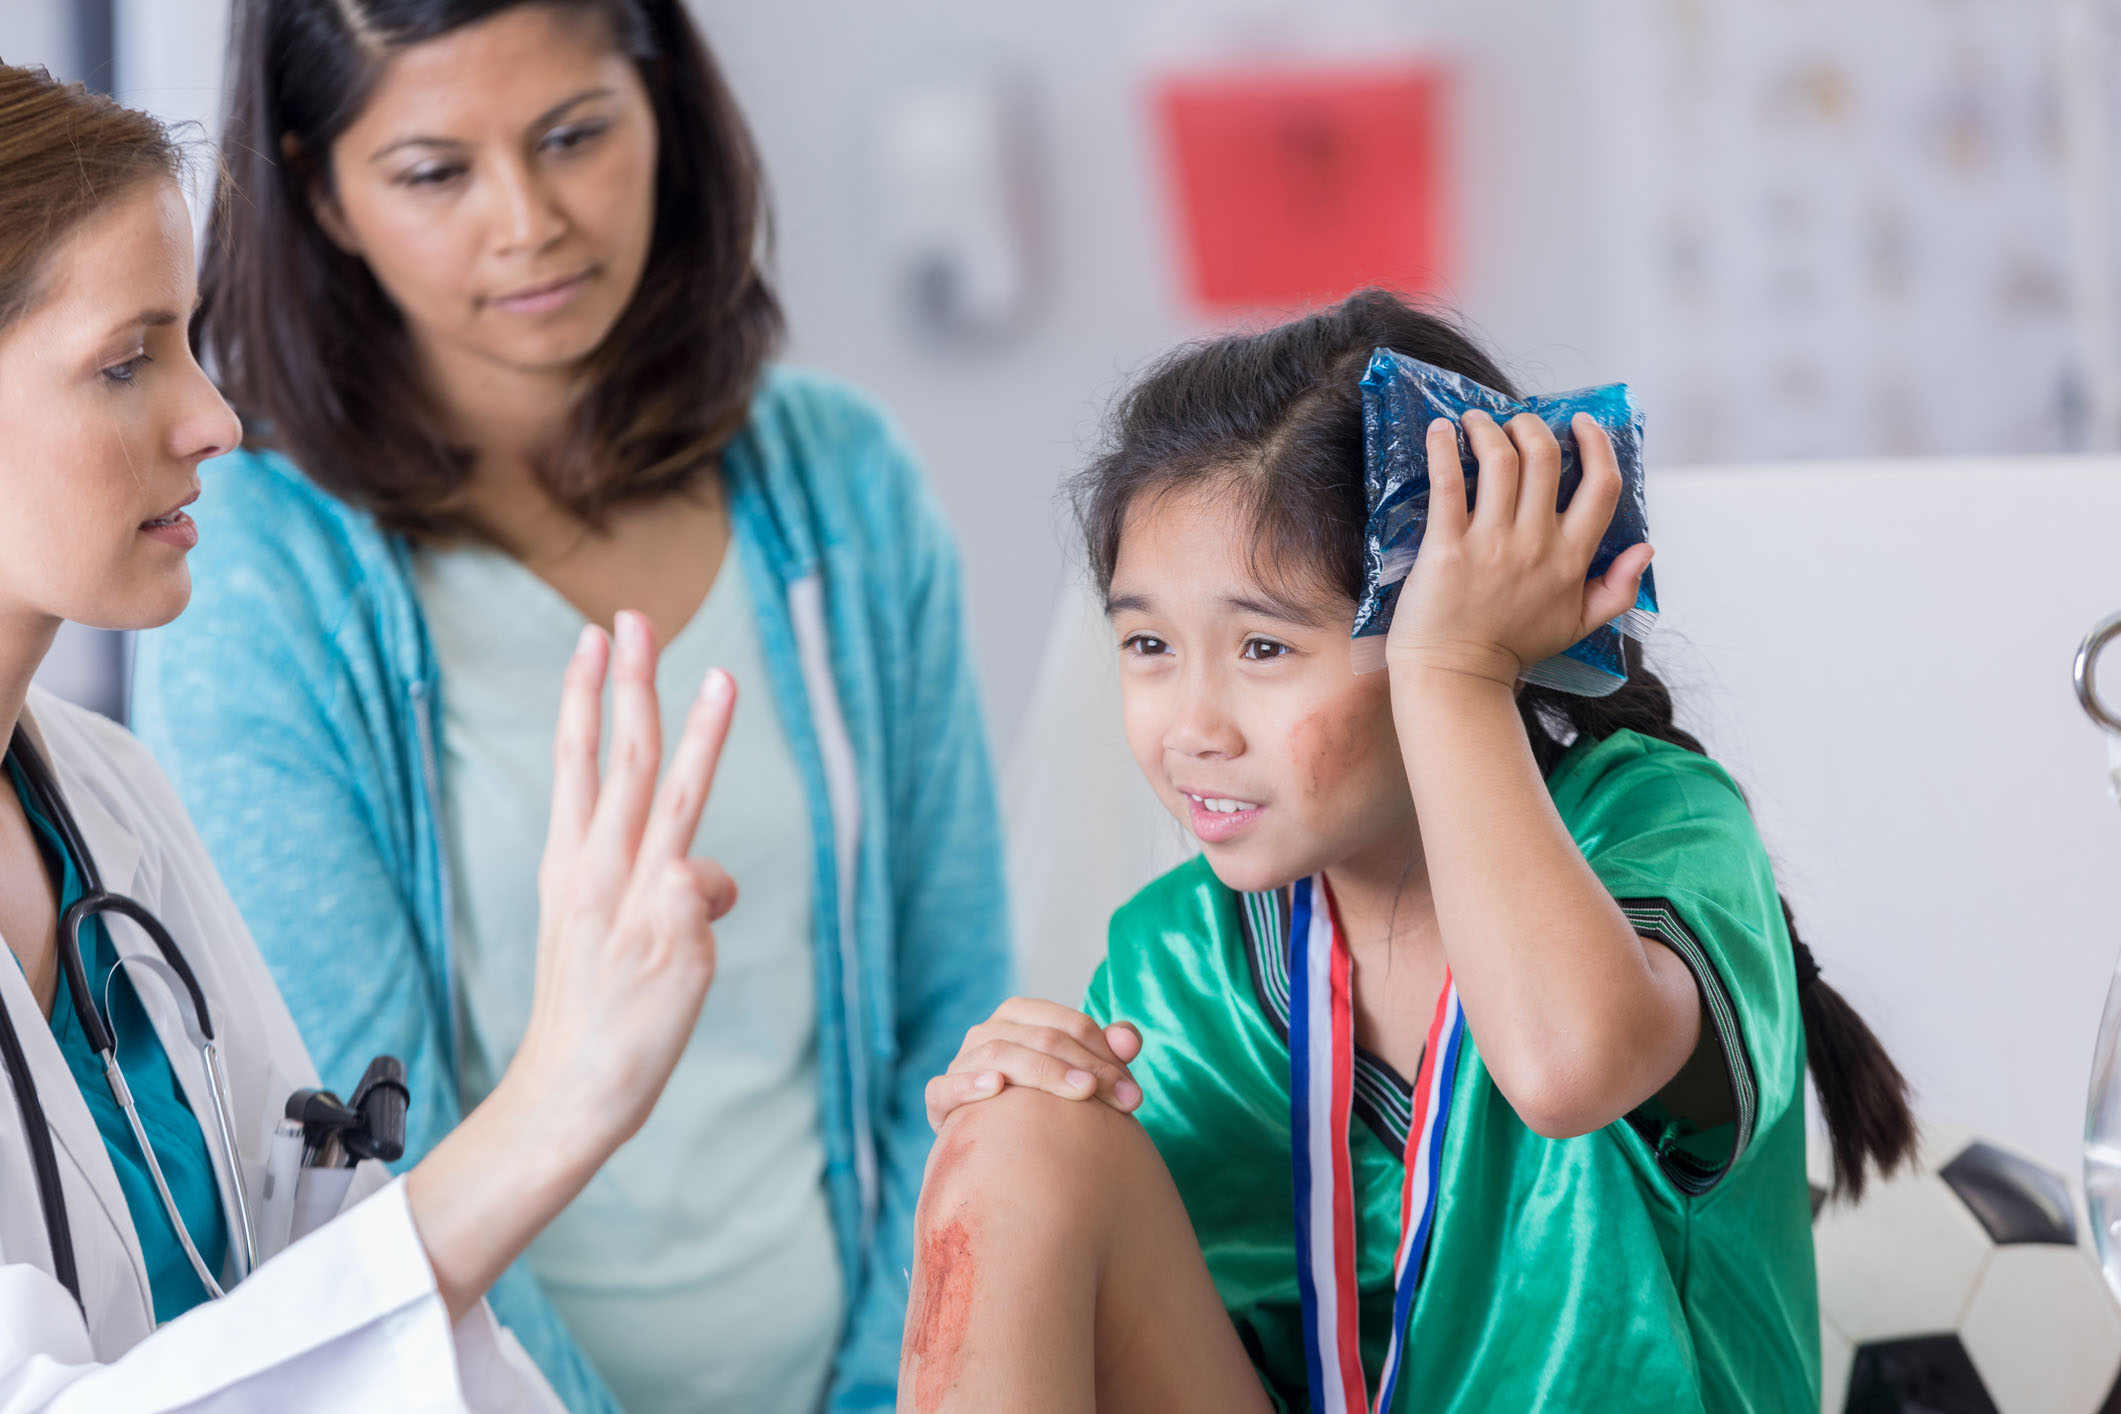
x,y
1029,1152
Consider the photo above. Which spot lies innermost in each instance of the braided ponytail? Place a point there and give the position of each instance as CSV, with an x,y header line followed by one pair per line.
x,y
1861,1092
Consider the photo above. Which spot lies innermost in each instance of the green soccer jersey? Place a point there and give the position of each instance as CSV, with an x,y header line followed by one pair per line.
x,y
1642,1267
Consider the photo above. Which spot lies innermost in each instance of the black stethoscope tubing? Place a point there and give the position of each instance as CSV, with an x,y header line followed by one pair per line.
x,y
94,899
44,1160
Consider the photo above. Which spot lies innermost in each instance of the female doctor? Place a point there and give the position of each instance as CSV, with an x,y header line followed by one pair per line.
x,y
112,1251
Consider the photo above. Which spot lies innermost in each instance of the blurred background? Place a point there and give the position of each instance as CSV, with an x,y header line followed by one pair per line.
x,y
1859,262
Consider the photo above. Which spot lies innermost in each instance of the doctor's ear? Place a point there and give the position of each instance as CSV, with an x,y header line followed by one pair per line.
x,y
323,206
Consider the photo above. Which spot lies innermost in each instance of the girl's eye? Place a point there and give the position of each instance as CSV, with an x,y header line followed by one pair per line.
x,y
1264,650
568,139
125,374
1145,645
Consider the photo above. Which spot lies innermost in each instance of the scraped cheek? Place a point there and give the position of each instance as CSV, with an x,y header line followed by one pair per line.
x,y
1331,746
941,1310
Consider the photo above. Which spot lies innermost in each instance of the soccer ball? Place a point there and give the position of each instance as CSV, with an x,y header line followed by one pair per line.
x,y
1959,1286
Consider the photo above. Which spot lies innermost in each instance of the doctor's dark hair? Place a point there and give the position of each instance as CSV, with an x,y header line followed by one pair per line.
x,y
313,353
66,153
1273,420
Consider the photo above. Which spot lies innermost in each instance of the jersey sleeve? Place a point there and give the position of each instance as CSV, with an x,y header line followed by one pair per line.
x,y
1671,838
1211,1064
1097,1000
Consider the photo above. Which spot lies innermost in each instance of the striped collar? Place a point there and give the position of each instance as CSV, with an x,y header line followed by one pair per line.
x,y
1383,1097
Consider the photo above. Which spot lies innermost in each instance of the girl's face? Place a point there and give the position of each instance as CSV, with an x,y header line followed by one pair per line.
x,y
500,186
1241,705
107,418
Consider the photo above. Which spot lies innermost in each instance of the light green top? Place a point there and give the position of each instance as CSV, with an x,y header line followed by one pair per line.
x,y
1638,1268
699,1269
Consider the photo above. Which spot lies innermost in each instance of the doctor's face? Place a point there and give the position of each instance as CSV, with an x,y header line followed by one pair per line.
x,y
500,186
104,419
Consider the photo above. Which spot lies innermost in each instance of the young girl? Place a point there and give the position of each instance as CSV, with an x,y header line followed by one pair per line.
x,y
1530,942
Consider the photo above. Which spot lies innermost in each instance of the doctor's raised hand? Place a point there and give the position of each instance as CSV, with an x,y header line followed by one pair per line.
x,y
625,956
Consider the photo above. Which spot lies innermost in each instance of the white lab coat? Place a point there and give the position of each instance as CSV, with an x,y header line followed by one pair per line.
x,y
347,1318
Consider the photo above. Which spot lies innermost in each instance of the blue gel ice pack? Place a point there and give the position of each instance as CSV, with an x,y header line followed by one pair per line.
x,y
1401,396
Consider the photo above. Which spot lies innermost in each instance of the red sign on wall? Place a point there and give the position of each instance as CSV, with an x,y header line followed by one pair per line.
x,y
1295,187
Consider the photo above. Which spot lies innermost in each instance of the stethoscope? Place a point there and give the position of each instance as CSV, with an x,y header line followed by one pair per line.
x,y
183,985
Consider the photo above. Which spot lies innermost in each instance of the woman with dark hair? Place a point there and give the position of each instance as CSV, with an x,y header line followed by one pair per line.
x,y
484,282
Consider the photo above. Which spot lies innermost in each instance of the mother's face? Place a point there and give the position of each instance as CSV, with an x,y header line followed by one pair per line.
x,y
104,419
500,185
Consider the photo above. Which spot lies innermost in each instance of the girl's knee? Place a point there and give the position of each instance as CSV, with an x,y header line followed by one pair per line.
x,y
1027,1150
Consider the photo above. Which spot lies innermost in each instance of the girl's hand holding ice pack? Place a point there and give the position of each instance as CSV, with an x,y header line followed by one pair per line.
x,y
1527,477
1503,588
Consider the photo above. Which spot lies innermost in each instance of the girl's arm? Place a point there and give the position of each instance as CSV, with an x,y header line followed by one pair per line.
x,y
1578,1018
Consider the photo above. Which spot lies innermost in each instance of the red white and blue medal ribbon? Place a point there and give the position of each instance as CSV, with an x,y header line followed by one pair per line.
x,y
1321,1097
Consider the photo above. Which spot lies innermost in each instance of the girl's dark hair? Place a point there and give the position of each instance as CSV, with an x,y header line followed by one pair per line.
x,y
314,355
1274,420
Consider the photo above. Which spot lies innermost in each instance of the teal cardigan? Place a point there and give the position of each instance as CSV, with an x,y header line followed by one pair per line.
x,y
293,704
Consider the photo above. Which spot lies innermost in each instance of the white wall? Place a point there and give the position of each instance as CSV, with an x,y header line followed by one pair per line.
x,y
38,32
1897,703
170,55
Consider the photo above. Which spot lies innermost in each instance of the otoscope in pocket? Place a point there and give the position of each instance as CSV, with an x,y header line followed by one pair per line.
x,y
339,1134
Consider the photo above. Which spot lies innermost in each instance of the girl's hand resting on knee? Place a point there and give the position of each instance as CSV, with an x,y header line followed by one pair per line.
x,y
1044,1046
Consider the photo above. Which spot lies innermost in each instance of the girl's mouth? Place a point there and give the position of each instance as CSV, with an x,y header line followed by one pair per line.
x,y
1217,819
